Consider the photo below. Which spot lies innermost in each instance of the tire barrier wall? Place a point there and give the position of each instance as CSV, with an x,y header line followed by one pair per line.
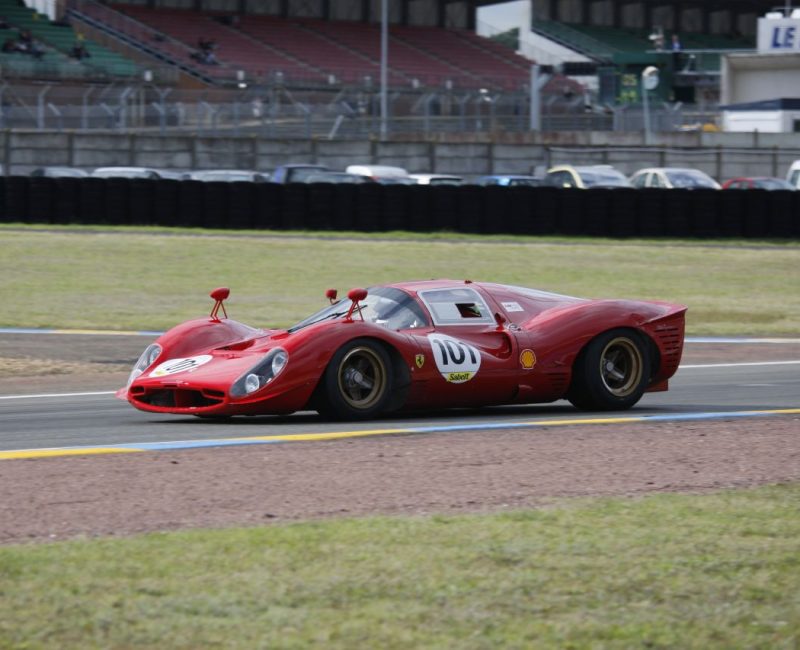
x,y
615,213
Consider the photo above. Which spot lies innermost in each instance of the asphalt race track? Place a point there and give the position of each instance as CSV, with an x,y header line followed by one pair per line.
x,y
99,419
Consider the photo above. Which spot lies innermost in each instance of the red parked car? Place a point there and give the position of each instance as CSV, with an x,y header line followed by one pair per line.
x,y
757,182
415,345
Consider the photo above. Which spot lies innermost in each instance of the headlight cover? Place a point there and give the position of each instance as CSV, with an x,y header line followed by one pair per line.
x,y
148,357
260,374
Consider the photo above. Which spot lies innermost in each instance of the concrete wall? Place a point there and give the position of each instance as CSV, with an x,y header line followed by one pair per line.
x,y
723,155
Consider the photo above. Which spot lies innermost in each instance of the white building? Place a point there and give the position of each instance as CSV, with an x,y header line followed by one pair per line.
x,y
761,91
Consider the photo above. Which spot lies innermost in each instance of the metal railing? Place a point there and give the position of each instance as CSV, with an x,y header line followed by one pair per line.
x,y
276,113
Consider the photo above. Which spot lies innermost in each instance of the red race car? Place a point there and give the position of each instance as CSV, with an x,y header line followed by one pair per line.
x,y
415,345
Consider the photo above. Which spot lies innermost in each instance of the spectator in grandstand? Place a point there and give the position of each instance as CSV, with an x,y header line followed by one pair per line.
x,y
676,52
24,37
79,51
9,45
205,53
4,23
26,45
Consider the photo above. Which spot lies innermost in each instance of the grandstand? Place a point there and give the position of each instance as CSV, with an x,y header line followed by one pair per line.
x,y
303,51
57,41
327,49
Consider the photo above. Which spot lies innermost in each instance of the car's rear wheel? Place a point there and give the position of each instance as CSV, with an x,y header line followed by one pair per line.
x,y
358,381
611,372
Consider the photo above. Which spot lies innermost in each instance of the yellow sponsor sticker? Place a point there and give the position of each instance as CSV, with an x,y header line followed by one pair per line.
x,y
459,377
527,359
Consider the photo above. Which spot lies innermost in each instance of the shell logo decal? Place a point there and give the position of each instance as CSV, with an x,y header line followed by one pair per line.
x,y
527,359
456,360
180,365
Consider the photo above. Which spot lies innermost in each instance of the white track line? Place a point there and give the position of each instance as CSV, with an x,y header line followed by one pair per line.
x,y
103,392
739,365
687,367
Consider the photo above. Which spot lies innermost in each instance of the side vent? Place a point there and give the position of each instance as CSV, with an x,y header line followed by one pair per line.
x,y
559,380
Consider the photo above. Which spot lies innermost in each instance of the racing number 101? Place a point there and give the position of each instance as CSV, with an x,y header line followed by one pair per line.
x,y
455,352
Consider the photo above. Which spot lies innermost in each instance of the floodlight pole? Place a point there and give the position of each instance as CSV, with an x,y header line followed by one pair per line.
x,y
646,107
384,65
535,121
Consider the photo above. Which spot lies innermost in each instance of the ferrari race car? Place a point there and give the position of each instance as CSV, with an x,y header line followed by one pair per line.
x,y
415,345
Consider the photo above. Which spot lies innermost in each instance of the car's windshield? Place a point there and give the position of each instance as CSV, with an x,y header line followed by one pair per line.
x,y
392,308
604,178
689,178
772,184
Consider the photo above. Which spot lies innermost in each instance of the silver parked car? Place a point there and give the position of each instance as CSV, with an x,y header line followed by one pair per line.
x,y
674,178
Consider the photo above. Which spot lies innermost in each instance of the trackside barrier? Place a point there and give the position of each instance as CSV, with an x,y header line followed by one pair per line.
x,y
615,213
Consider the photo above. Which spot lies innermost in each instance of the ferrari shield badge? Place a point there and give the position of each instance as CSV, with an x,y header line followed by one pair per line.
x,y
420,359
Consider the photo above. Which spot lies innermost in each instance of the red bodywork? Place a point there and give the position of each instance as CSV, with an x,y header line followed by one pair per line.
x,y
526,353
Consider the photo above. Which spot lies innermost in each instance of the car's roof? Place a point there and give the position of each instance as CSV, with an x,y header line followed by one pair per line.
x,y
757,178
511,176
594,168
124,169
669,169
302,165
416,286
377,170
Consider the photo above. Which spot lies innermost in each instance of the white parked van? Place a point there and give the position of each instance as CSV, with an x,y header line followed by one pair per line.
x,y
793,177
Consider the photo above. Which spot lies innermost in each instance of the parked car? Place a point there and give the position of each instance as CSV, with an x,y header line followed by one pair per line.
x,y
125,172
437,179
59,172
295,172
757,182
673,178
414,345
510,180
793,176
229,176
585,176
337,177
385,174
173,174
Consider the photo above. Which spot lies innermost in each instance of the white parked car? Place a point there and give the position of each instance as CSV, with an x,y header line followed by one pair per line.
x,y
437,179
125,172
585,176
382,173
229,176
793,177
59,172
674,178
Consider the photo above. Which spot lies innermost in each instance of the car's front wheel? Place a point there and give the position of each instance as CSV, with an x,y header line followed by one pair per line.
x,y
358,381
611,372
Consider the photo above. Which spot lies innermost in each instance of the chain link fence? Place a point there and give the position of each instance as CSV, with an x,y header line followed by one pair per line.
x,y
275,111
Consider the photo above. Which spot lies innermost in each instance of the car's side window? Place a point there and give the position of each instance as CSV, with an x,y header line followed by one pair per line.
x,y
640,180
461,306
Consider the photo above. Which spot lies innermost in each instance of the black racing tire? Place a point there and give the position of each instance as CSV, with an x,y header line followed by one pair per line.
x,y
611,373
358,382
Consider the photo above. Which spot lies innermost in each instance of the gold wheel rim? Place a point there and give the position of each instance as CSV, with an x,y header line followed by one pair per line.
x,y
621,367
361,378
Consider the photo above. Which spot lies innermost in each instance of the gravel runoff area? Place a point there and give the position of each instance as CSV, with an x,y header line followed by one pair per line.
x,y
456,472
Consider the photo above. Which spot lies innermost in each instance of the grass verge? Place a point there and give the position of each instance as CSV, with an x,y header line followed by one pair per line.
x,y
666,571
124,280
